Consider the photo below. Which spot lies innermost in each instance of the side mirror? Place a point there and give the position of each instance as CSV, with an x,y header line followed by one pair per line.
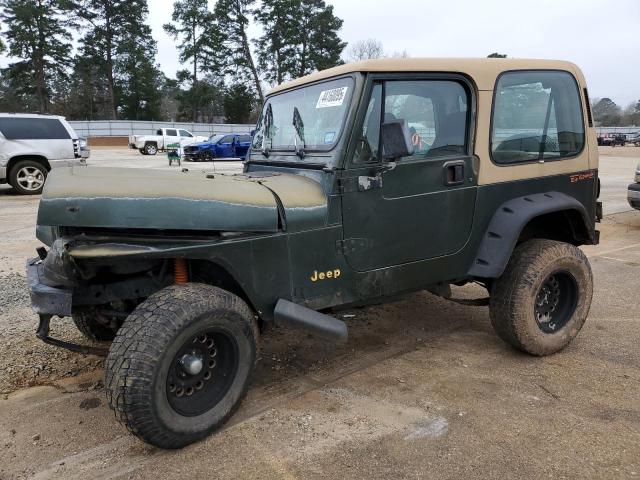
x,y
396,140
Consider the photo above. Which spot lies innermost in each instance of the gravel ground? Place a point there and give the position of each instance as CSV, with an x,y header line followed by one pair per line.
x,y
423,388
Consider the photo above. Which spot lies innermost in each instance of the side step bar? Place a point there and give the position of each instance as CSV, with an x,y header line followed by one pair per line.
x,y
292,315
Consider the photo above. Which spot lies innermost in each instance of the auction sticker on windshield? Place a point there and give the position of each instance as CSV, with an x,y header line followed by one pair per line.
x,y
332,98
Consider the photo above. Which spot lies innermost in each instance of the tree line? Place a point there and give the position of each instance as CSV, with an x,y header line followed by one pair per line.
x,y
110,71
607,113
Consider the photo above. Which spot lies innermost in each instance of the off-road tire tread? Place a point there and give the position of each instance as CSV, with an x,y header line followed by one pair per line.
x,y
505,308
91,329
137,348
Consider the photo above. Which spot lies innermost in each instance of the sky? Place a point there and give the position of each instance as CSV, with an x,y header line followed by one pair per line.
x,y
600,37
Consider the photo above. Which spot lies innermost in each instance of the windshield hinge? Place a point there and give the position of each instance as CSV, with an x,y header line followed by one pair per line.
x,y
351,245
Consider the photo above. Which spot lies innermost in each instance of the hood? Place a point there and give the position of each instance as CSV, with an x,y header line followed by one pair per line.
x,y
204,143
99,197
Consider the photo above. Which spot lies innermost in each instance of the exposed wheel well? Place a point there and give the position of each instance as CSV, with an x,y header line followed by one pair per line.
x,y
205,271
564,226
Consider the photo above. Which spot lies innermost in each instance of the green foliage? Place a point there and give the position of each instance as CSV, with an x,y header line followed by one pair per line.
x,y
277,46
200,43
37,33
233,21
606,112
116,62
238,103
497,55
300,36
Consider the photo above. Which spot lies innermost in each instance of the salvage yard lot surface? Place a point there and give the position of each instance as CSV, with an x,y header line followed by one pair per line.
x,y
423,388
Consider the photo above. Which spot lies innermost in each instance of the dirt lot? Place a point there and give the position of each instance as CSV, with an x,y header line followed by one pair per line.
x,y
423,388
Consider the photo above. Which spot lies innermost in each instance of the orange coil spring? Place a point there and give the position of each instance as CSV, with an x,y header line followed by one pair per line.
x,y
180,272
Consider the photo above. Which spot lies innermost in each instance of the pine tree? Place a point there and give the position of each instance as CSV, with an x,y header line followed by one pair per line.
x,y
233,20
238,103
319,46
37,33
276,47
200,44
138,79
120,44
300,37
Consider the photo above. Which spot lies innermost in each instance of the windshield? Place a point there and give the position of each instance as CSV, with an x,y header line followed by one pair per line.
x,y
215,138
322,109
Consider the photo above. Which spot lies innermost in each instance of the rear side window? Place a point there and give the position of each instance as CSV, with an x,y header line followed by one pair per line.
x,y
245,139
537,115
33,129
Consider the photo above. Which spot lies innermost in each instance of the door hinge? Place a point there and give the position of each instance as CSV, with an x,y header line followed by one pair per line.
x,y
351,245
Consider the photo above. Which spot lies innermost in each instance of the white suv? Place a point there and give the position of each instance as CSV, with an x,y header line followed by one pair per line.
x,y
31,145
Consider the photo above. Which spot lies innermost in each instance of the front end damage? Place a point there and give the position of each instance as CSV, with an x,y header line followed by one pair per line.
x,y
64,281
116,238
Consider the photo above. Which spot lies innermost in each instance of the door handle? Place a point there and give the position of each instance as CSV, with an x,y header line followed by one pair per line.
x,y
454,173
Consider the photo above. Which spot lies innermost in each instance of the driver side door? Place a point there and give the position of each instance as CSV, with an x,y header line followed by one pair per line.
x,y
423,208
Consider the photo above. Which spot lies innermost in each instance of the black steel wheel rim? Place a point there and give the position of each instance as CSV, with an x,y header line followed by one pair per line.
x,y
201,372
556,301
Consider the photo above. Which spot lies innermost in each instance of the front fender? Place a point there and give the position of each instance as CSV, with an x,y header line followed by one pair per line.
x,y
507,223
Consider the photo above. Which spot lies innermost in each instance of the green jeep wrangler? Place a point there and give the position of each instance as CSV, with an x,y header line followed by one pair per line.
x,y
364,182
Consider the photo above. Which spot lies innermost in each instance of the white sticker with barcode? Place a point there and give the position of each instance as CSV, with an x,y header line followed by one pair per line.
x,y
332,98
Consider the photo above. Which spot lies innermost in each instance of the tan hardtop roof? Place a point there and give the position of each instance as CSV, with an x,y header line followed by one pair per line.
x,y
482,70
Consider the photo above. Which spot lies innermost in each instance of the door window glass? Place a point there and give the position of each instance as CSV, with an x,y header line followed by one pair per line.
x,y
536,116
435,112
226,139
368,143
184,133
245,139
171,132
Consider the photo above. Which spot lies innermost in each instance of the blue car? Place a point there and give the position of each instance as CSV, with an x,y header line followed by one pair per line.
x,y
229,146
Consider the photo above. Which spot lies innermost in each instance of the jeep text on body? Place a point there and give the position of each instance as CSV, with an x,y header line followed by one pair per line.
x,y
364,182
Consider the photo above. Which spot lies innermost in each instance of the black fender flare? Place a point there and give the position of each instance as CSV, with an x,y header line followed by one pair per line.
x,y
507,223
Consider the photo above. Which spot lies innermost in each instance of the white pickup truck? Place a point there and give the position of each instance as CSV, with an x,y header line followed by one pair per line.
x,y
151,144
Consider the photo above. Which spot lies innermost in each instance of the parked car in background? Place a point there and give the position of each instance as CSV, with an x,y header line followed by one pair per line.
x,y
219,146
635,139
32,144
612,140
633,194
151,144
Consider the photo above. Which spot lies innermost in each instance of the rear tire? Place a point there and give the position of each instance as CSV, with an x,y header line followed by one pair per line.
x,y
151,149
181,363
91,328
542,299
27,177
142,151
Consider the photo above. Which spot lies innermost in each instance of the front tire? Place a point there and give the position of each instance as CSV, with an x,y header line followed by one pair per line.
x,y
91,328
27,177
181,363
542,299
142,151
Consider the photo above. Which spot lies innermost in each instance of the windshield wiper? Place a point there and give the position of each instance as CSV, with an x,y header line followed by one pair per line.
x,y
298,125
268,121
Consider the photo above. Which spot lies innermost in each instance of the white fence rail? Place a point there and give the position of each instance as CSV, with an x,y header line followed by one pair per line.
x,y
121,128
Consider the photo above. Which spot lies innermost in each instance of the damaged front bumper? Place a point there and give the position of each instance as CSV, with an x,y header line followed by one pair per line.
x,y
46,299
